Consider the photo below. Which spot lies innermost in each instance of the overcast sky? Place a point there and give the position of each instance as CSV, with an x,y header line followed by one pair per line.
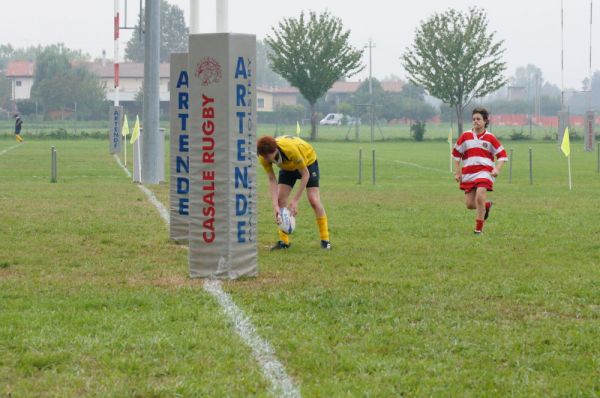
x,y
531,29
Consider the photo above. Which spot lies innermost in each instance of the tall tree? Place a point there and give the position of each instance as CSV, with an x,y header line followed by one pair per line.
x,y
526,75
173,34
61,83
312,53
456,59
265,76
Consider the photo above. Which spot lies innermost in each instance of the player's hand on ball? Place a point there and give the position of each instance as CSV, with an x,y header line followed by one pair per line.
x,y
277,215
293,208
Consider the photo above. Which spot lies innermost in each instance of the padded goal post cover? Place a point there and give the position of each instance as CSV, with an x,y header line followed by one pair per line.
x,y
223,212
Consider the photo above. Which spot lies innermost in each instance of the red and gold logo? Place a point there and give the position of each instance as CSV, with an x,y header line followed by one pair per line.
x,y
209,71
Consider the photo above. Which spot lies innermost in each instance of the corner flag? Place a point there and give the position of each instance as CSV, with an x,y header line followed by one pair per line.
x,y
566,143
125,129
136,130
298,129
565,147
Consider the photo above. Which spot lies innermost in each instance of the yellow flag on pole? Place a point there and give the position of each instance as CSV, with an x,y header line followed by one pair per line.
x,y
450,137
125,130
298,129
136,130
566,143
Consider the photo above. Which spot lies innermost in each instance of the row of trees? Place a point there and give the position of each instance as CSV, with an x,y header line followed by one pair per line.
x,y
454,58
62,82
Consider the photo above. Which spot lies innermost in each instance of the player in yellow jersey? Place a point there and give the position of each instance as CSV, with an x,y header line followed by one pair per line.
x,y
297,160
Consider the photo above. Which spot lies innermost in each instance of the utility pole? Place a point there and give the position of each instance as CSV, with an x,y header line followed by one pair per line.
x,y
371,46
151,145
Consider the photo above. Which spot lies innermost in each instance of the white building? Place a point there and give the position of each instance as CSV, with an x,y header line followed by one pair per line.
x,y
130,81
21,74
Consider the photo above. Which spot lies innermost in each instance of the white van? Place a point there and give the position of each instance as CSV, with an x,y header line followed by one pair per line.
x,y
333,119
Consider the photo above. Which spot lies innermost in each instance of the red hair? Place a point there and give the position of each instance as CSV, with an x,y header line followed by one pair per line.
x,y
266,145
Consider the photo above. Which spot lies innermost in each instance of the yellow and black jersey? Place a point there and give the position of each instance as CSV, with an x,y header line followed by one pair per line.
x,y
294,152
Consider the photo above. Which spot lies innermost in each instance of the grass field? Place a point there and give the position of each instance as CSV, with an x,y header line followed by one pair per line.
x,y
70,129
95,301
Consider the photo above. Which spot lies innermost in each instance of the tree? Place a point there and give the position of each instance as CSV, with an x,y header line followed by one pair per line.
x,y
264,72
455,58
361,99
173,34
61,83
525,76
312,53
9,53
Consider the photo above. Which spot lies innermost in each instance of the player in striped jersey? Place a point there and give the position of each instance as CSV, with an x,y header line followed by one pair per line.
x,y
477,150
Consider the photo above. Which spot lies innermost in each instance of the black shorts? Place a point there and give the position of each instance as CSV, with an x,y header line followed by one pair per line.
x,y
290,177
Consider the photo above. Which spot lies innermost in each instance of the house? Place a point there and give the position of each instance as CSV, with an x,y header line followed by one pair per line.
x,y
131,79
269,99
21,74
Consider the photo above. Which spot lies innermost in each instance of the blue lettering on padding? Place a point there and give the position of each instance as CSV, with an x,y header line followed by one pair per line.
x,y
241,205
241,231
184,206
184,143
183,186
183,164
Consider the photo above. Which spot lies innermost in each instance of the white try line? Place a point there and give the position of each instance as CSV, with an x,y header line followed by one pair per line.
x,y
273,370
2,152
418,166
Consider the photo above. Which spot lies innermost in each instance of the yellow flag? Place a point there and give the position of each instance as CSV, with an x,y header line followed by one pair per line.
x,y
297,129
450,137
136,130
566,143
125,130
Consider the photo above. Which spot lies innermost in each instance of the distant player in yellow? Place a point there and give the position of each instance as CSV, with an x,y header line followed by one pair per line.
x,y
297,160
18,125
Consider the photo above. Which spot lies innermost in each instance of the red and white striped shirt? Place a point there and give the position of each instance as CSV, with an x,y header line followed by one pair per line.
x,y
477,153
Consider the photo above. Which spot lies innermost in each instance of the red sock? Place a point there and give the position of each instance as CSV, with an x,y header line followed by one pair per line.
x,y
487,205
479,225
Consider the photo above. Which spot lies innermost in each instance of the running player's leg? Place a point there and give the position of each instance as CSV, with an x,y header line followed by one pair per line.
x,y
470,199
480,200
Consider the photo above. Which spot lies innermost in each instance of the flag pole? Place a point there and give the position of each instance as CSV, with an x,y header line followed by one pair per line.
x,y
562,55
570,181
125,145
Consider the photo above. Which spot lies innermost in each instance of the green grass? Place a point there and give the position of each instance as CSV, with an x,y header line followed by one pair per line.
x,y
99,130
94,300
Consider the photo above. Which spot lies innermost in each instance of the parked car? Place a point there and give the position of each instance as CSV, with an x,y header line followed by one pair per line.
x,y
332,119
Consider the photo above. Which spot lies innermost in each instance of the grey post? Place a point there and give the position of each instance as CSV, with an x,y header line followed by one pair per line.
x,y
151,156
54,168
530,166
373,166
360,166
510,164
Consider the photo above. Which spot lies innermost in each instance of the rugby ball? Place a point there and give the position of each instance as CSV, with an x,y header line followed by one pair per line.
x,y
288,221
